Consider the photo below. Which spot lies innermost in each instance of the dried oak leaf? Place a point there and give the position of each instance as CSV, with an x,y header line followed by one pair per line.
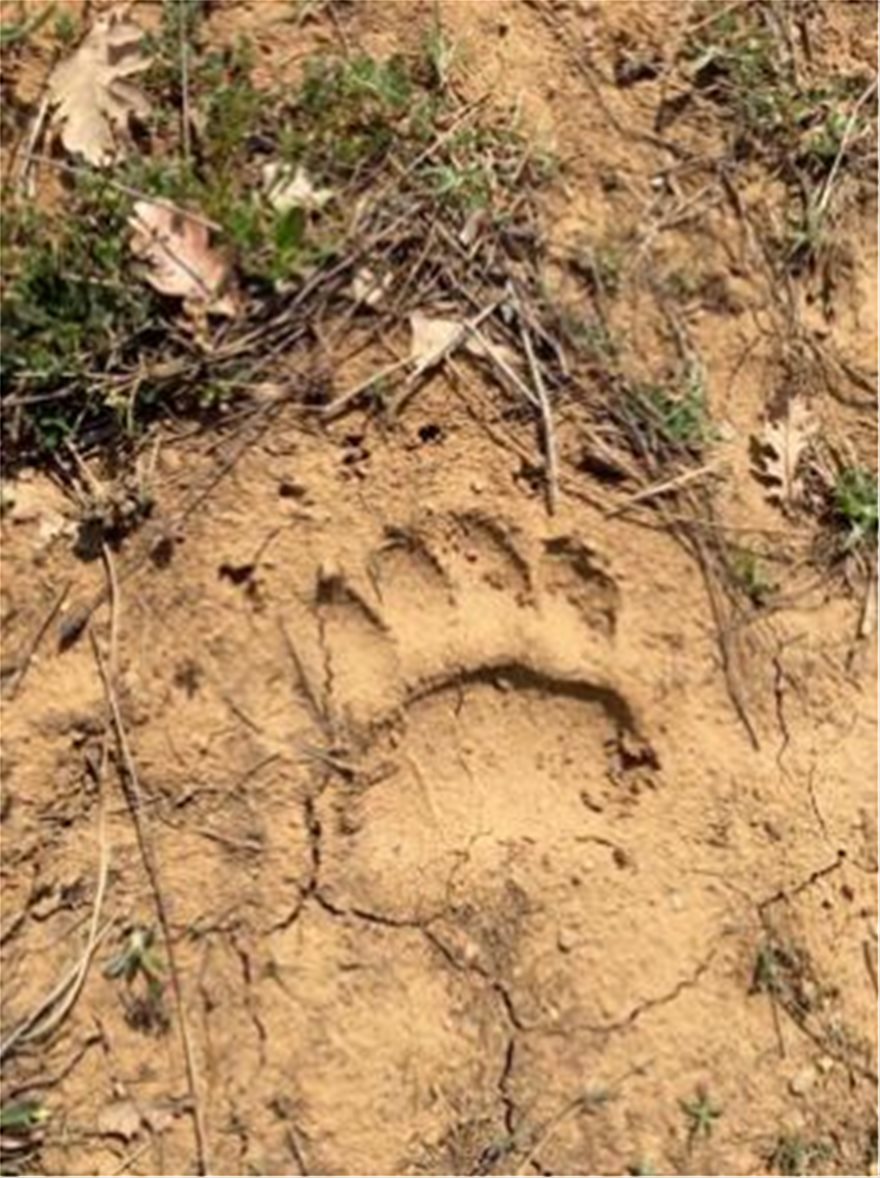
x,y
181,262
782,448
92,98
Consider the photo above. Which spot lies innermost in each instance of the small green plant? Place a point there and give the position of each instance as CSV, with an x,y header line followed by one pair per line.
x,y
16,32
137,964
66,28
803,133
21,1116
855,507
68,305
676,418
701,1115
750,574
468,185
681,285
602,266
590,337
21,1122
793,1155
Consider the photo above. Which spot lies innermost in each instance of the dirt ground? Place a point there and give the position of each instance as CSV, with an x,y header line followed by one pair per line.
x,y
470,864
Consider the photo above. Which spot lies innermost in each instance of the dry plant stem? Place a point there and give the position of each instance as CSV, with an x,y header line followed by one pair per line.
x,y
698,546
134,799
182,17
31,145
52,1011
347,399
679,481
504,368
546,419
825,196
28,657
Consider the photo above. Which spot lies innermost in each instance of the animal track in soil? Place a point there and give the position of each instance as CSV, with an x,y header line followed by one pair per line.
x,y
496,738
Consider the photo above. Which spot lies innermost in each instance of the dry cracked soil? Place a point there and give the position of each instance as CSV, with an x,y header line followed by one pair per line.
x,y
469,863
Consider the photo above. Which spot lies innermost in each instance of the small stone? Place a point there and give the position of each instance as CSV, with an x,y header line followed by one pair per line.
x,y
825,1063
801,1083
566,940
478,486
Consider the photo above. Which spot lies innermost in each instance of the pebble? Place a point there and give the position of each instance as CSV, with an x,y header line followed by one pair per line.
x,y
566,940
801,1083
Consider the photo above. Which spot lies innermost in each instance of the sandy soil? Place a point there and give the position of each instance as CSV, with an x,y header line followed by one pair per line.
x,y
468,859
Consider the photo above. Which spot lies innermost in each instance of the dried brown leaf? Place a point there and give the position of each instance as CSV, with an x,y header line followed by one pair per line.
x,y
181,262
783,446
92,97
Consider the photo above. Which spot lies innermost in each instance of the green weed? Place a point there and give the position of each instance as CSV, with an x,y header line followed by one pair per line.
x,y
66,28
21,1116
855,507
750,574
137,964
68,307
701,1115
590,337
677,418
21,1122
602,265
26,22
797,130
793,1155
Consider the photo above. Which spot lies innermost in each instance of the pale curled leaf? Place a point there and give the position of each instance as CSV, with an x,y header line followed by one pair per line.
x,y
433,338
783,446
92,97
181,262
286,189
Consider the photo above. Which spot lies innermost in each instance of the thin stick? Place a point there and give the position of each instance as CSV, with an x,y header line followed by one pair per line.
x,y
667,485
869,965
347,399
27,659
546,417
31,145
825,195
55,1007
501,364
32,1027
317,707
134,798
183,23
